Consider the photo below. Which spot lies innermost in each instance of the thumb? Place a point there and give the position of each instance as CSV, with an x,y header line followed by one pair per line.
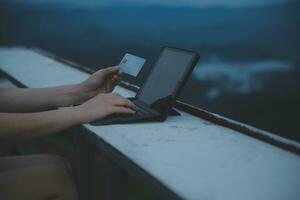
x,y
107,71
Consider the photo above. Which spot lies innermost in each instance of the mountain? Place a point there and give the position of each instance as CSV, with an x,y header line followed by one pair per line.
x,y
251,32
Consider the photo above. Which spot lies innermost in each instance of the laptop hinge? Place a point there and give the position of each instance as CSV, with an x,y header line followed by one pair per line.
x,y
174,112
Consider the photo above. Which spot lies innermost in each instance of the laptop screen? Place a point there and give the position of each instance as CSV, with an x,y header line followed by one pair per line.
x,y
166,77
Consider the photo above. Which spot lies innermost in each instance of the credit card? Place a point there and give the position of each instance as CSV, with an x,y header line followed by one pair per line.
x,y
131,64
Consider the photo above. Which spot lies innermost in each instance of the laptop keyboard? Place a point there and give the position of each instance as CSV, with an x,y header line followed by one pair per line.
x,y
140,112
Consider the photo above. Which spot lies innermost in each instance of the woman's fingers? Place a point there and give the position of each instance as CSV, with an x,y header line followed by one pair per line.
x,y
126,103
108,71
121,101
115,77
122,110
116,94
105,104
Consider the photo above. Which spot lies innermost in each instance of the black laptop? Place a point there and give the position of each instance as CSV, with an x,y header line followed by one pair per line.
x,y
161,88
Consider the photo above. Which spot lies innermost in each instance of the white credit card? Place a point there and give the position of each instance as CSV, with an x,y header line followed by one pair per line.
x,y
131,64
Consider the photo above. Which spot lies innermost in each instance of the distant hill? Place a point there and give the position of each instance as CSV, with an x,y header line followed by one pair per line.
x,y
234,33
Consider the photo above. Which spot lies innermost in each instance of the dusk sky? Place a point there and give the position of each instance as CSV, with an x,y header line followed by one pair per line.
x,y
170,2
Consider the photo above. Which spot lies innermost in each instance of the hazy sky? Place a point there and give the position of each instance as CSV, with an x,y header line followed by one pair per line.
x,y
171,2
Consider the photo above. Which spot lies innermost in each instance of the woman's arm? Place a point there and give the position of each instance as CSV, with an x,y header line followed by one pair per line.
x,y
34,100
40,99
18,127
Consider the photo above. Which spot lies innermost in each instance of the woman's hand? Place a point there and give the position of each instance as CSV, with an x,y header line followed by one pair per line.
x,y
21,100
37,124
103,105
102,81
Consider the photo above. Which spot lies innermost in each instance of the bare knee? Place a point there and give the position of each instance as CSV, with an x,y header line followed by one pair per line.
x,y
38,182
13,162
65,187
56,160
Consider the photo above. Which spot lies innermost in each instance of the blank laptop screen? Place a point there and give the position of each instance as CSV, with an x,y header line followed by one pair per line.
x,y
165,77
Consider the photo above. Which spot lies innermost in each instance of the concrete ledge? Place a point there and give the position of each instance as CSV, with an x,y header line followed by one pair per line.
x,y
193,157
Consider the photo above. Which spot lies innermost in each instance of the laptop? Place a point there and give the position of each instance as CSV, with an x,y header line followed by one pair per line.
x,y
160,89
